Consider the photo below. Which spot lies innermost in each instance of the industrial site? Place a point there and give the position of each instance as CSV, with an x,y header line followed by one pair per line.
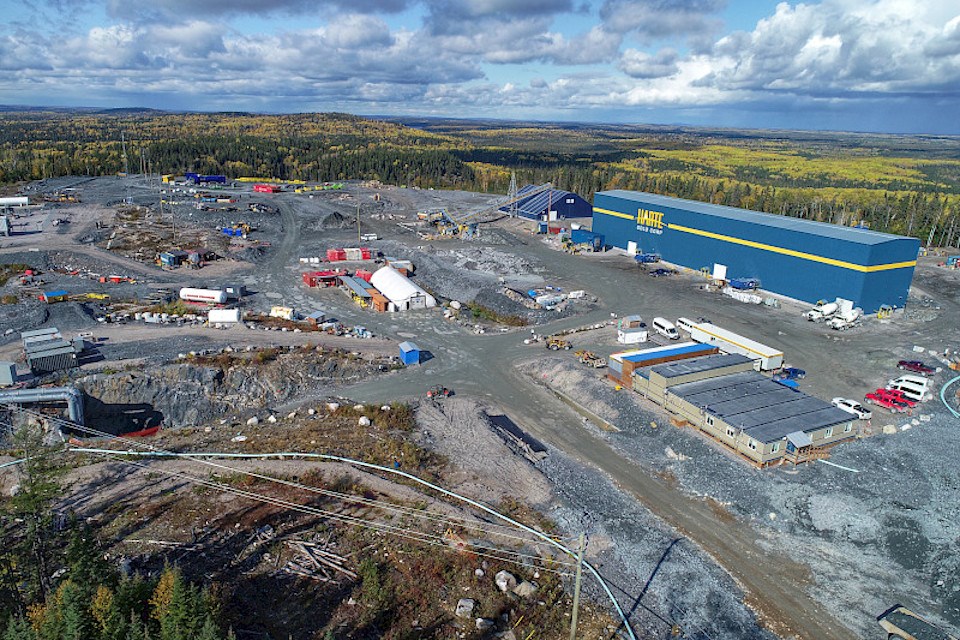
x,y
662,418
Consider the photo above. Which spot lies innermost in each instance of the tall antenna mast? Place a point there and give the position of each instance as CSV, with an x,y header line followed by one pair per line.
x,y
123,142
512,194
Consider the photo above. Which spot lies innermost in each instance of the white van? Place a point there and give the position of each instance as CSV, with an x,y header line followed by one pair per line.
x,y
910,387
665,328
685,324
916,380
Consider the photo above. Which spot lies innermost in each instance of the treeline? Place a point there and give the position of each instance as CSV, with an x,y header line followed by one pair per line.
x,y
928,216
55,583
326,147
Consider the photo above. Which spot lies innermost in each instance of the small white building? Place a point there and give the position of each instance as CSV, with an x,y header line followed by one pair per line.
x,y
402,293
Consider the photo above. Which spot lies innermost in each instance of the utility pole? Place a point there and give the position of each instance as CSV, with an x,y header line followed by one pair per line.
x,y
512,194
576,590
358,215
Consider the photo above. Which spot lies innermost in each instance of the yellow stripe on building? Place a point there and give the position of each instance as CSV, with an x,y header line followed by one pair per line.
x,y
787,252
626,216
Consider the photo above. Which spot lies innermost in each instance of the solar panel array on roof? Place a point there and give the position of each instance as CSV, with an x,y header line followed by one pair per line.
x,y
765,410
699,365
549,200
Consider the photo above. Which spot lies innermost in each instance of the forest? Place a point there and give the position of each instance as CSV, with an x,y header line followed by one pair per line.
x,y
900,184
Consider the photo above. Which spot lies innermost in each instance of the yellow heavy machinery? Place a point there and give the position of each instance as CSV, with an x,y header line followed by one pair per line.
x,y
590,359
555,343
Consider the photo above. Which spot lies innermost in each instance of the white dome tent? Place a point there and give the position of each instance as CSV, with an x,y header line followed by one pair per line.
x,y
400,290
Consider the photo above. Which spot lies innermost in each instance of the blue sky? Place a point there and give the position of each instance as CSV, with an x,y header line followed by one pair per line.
x,y
864,65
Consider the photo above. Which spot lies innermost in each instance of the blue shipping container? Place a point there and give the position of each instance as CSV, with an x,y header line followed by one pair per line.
x,y
409,353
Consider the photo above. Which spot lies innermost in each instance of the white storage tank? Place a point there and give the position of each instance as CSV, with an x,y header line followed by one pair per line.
x,y
209,296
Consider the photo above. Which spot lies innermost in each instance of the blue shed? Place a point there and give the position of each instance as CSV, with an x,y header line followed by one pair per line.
x,y
409,353
552,204
800,259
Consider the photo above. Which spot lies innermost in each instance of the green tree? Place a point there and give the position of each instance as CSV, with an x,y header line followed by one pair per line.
x,y
30,532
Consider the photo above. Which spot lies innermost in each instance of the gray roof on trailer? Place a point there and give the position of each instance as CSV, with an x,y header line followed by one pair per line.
x,y
765,410
36,349
354,285
699,365
51,352
823,229
49,331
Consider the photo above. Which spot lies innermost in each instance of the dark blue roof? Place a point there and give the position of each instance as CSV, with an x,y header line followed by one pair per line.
x,y
824,229
537,204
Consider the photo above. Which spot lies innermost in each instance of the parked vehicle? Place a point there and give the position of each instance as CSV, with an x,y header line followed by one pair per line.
x,y
685,324
555,344
892,395
899,397
910,378
843,320
790,373
853,407
910,389
884,400
821,311
656,273
439,391
916,366
647,258
590,359
665,328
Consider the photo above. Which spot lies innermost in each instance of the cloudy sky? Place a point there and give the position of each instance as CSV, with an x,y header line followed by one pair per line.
x,y
865,65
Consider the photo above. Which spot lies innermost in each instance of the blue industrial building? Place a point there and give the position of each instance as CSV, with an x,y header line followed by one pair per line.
x,y
552,204
797,258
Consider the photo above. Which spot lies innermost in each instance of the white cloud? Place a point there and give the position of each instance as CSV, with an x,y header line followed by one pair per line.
x,y
639,64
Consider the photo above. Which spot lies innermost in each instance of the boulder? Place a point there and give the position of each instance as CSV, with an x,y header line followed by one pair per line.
x,y
505,580
272,419
253,421
525,589
364,421
465,608
485,624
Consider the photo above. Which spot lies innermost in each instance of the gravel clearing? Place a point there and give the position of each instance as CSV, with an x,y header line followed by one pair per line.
x,y
894,522
676,582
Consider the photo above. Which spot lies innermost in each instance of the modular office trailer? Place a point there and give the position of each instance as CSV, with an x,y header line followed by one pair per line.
x,y
766,358
800,259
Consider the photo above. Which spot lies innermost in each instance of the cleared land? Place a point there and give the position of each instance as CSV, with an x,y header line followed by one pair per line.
x,y
814,552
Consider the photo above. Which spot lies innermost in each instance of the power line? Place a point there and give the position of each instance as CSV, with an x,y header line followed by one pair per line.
x,y
479,505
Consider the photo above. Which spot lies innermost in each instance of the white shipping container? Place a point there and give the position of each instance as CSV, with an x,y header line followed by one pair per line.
x,y
223,316
631,336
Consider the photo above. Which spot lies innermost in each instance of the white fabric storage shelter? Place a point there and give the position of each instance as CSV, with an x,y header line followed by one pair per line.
x,y
400,290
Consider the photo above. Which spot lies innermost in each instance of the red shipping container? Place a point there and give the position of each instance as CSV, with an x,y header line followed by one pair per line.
x,y
363,274
365,252
336,255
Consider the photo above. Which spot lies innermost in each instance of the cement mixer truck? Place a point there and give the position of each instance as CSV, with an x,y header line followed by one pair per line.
x,y
822,311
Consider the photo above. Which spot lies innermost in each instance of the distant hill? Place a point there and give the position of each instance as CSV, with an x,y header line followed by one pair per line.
x,y
897,183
